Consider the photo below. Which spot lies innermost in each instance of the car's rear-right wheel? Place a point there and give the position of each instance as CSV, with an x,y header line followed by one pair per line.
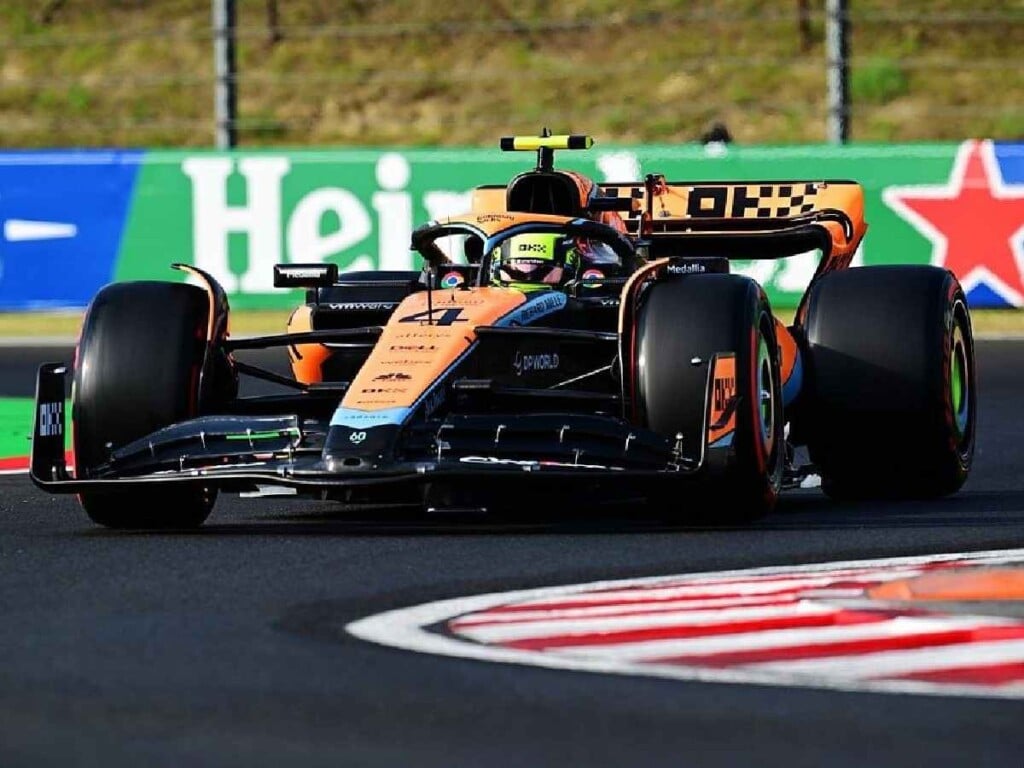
x,y
137,369
680,326
890,407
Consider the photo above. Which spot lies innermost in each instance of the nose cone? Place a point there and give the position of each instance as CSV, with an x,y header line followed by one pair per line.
x,y
355,449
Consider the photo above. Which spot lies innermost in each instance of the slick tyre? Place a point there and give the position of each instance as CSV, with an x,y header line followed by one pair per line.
x,y
137,370
891,407
680,326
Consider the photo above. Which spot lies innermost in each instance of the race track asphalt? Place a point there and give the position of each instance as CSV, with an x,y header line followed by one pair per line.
x,y
226,646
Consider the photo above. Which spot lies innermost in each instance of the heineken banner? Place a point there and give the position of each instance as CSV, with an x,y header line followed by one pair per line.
x,y
73,221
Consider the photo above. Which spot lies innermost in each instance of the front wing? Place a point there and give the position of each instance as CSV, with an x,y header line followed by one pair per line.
x,y
492,452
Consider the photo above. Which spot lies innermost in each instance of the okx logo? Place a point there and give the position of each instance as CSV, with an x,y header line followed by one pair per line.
x,y
51,419
725,390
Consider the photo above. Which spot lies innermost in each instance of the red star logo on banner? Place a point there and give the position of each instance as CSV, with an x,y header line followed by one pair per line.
x,y
975,222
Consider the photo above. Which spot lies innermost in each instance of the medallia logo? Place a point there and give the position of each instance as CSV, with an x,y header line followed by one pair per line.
x,y
975,223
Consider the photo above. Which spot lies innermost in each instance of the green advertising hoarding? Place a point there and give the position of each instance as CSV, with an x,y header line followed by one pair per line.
x,y
236,215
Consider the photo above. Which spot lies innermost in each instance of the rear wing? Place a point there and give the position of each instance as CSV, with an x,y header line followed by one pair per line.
x,y
746,219
768,218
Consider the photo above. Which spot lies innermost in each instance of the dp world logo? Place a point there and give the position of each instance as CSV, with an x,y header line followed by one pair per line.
x,y
521,363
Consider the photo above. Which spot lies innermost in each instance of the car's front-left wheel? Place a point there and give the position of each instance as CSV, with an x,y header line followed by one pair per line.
x,y
137,369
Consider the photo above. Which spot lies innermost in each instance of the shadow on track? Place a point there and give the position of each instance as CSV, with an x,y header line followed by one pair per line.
x,y
806,510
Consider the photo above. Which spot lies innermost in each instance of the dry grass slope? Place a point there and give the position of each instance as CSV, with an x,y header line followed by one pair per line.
x,y
419,72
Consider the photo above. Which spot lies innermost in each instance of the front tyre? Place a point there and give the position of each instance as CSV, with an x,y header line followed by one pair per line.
x,y
137,369
691,319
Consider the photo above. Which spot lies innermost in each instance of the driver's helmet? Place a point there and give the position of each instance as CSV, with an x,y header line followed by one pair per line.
x,y
535,260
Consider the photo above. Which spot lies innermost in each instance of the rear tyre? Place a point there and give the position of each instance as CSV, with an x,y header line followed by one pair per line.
x,y
137,369
695,317
891,404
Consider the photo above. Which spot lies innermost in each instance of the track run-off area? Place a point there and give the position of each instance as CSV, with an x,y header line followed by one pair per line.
x,y
295,631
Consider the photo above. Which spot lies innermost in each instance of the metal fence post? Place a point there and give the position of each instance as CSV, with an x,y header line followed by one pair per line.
x,y
225,104
837,53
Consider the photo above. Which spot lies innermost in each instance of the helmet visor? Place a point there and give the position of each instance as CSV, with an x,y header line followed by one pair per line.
x,y
538,258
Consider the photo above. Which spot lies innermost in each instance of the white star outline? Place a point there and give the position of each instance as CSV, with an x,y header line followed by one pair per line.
x,y
998,188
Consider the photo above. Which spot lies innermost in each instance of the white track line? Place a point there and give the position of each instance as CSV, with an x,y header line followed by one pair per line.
x,y
1000,336
902,662
724,588
15,342
623,609
21,342
541,630
649,650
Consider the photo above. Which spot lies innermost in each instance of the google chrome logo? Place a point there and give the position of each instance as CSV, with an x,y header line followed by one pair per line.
x,y
451,280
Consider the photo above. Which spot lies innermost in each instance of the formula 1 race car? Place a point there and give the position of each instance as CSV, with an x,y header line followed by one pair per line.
x,y
566,342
